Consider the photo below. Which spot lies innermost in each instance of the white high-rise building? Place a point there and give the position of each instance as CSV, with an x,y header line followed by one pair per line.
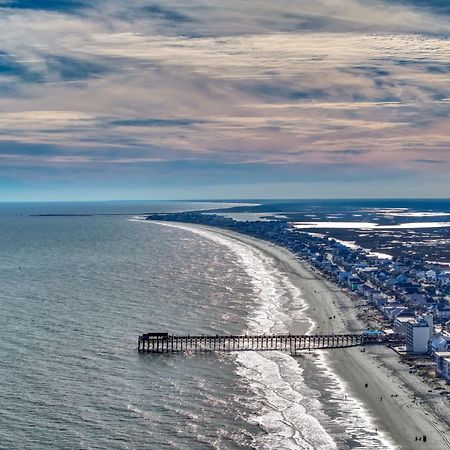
x,y
419,333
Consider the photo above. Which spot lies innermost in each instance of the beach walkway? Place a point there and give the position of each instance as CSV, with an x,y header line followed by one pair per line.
x,y
166,343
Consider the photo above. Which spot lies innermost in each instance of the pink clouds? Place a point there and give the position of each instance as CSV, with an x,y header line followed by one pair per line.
x,y
272,83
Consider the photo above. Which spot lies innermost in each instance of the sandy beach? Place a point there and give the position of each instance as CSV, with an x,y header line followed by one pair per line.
x,y
399,402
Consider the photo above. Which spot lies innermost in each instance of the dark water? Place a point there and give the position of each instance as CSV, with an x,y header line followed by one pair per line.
x,y
75,294
102,208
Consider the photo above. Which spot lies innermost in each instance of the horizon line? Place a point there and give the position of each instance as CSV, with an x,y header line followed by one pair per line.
x,y
227,200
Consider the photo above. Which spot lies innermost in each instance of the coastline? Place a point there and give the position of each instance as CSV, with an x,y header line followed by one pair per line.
x,y
390,389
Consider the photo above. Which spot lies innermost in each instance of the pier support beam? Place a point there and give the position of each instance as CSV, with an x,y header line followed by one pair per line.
x,y
165,343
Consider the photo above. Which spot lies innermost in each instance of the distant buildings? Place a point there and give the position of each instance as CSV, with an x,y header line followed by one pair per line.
x,y
409,292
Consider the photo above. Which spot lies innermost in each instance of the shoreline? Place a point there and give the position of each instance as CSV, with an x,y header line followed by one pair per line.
x,y
390,389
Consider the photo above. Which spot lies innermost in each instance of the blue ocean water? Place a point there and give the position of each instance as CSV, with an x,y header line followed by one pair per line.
x,y
75,294
77,290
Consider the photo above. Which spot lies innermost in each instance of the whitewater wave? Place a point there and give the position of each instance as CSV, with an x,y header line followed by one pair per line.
x,y
283,406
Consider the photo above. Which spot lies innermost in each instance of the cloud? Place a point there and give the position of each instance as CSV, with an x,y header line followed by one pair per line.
x,y
68,68
428,161
9,67
161,12
50,5
155,122
287,84
352,151
433,6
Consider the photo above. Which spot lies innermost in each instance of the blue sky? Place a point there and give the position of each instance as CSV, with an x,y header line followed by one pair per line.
x,y
210,99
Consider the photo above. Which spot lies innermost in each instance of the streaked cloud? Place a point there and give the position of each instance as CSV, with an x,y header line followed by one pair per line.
x,y
267,86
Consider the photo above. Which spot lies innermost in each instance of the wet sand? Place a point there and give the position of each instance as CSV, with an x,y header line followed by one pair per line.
x,y
390,388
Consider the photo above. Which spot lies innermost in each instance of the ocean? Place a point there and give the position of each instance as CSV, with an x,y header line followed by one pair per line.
x,y
81,282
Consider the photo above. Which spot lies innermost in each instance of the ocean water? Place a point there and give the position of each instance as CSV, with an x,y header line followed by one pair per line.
x,y
77,290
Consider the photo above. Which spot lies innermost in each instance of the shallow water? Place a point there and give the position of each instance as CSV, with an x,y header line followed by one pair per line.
x,y
77,291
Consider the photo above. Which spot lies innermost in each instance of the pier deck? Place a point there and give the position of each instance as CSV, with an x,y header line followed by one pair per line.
x,y
166,343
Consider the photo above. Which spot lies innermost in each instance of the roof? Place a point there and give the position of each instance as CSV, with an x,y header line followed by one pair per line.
x,y
388,331
406,319
419,323
443,307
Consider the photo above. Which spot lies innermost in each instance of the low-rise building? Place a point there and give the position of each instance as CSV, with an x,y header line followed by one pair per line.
x,y
443,364
442,311
379,299
440,342
344,276
354,283
392,310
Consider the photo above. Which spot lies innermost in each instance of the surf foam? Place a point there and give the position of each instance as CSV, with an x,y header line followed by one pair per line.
x,y
284,407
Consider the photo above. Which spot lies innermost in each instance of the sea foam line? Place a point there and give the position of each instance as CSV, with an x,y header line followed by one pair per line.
x,y
281,399
284,406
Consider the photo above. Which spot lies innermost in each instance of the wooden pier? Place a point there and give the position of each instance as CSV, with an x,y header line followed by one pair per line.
x,y
167,343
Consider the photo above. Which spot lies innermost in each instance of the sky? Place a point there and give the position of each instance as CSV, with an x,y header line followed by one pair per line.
x,y
201,99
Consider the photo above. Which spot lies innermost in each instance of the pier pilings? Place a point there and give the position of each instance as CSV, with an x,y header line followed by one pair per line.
x,y
165,343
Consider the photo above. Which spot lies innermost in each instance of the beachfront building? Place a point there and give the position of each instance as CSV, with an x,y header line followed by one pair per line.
x,y
344,276
443,364
393,310
440,342
419,333
401,321
354,283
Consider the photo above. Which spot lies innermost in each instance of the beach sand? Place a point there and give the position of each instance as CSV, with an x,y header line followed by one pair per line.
x,y
389,395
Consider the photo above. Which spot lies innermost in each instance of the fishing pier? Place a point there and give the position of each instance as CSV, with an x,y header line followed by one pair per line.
x,y
168,343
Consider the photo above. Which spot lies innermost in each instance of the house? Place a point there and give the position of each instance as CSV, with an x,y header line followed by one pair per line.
x,y
419,274
391,311
365,290
354,283
344,276
440,342
401,279
415,299
409,288
443,278
386,309
378,298
442,311
430,275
